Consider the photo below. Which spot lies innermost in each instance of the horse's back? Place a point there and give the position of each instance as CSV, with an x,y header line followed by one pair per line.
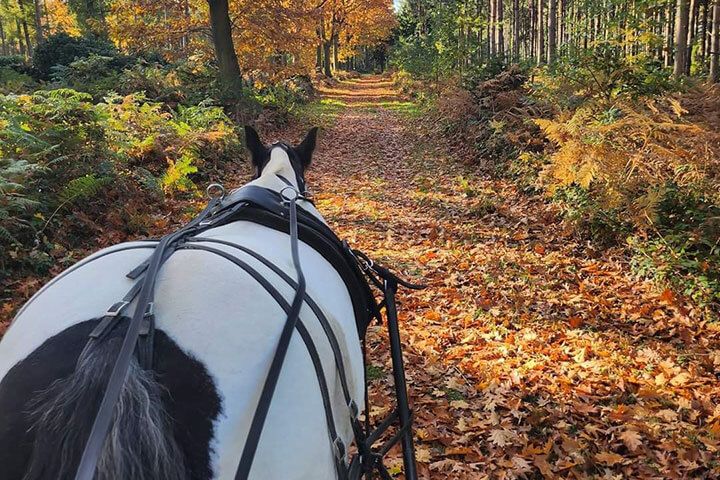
x,y
221,317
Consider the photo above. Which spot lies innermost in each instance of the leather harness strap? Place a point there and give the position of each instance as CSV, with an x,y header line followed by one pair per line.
x,y
278,211
312,350
103,418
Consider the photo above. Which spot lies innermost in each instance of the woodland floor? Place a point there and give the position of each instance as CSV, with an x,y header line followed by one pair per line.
x,y
530,355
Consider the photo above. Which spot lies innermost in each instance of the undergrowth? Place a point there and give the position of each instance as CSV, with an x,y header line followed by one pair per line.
x,y
631,157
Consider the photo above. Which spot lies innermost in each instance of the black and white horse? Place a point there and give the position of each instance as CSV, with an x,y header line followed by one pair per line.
x,y
217,329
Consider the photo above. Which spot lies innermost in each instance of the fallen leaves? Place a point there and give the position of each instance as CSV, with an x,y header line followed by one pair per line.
x,y
529,356
631,439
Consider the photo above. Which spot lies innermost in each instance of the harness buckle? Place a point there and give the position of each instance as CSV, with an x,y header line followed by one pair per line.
x,y
150,310
339,448
116,309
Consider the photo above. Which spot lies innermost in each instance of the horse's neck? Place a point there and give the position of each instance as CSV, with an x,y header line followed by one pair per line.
x,y
279,166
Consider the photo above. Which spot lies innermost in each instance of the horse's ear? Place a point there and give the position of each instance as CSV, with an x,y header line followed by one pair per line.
x,y
255,146
306,147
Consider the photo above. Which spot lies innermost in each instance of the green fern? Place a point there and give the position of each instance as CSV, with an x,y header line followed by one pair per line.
x,y
83,188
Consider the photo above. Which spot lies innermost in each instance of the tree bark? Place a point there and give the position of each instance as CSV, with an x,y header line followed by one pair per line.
x,y
336,47
230,75
492,27
2,38
516,31
326,59
692,24
540,33
38,22
500,31
21,45
552,31
26,30
681,36
714,75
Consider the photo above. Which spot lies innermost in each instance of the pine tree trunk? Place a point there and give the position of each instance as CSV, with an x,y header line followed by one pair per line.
x,y
500,32
552,30
516,31
681,36
230,75
533,29
21,45
669,22
704,32
492,28
38,22
692,25
714,76
540,33
3,45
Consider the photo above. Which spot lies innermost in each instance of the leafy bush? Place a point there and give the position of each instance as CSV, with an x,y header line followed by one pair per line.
x,y
685,249
485,121
97,75
12,81
15,62
645,169
67,161
62,49
602,72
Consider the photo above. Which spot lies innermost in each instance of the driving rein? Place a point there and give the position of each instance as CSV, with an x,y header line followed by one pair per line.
x,y
279,211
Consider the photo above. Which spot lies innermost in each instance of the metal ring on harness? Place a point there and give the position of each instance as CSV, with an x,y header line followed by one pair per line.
x,y
215,191
286,198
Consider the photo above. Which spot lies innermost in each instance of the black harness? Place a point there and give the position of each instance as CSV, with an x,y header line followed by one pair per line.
x,y
279,211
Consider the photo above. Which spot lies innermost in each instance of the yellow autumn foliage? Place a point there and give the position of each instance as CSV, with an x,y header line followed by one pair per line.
x,y
628,152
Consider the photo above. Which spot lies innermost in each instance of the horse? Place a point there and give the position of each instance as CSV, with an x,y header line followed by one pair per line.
x,y
216,329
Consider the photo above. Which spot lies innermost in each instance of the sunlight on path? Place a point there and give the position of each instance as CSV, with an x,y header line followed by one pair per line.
x,y
529,352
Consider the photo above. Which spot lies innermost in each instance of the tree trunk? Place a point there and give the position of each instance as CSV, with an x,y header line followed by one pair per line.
x,y
516,31
336,46
552,31
704,32
681,36
533,29
38,22
2,39
540,33
21,45
692,24
714,76
492,26
669,32
230,75
326,59
500,31
26,30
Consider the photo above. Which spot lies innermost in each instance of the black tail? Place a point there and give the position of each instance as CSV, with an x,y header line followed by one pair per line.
x,y
140,444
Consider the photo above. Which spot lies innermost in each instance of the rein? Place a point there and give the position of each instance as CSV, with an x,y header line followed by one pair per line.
x,y
139,335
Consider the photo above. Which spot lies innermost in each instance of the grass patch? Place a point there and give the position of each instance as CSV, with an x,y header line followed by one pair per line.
x,y
374,372
322,112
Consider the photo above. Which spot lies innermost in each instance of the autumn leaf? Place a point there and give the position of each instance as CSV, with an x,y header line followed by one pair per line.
x,y
609,458
575,322
502,437
631,439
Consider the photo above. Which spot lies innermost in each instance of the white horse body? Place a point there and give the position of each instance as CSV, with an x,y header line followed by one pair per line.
x,y
221,316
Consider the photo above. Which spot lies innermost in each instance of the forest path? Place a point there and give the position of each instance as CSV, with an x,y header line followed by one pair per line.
x,y
529,351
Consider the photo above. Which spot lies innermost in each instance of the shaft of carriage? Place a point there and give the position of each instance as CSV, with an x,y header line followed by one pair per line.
x,y
403,405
